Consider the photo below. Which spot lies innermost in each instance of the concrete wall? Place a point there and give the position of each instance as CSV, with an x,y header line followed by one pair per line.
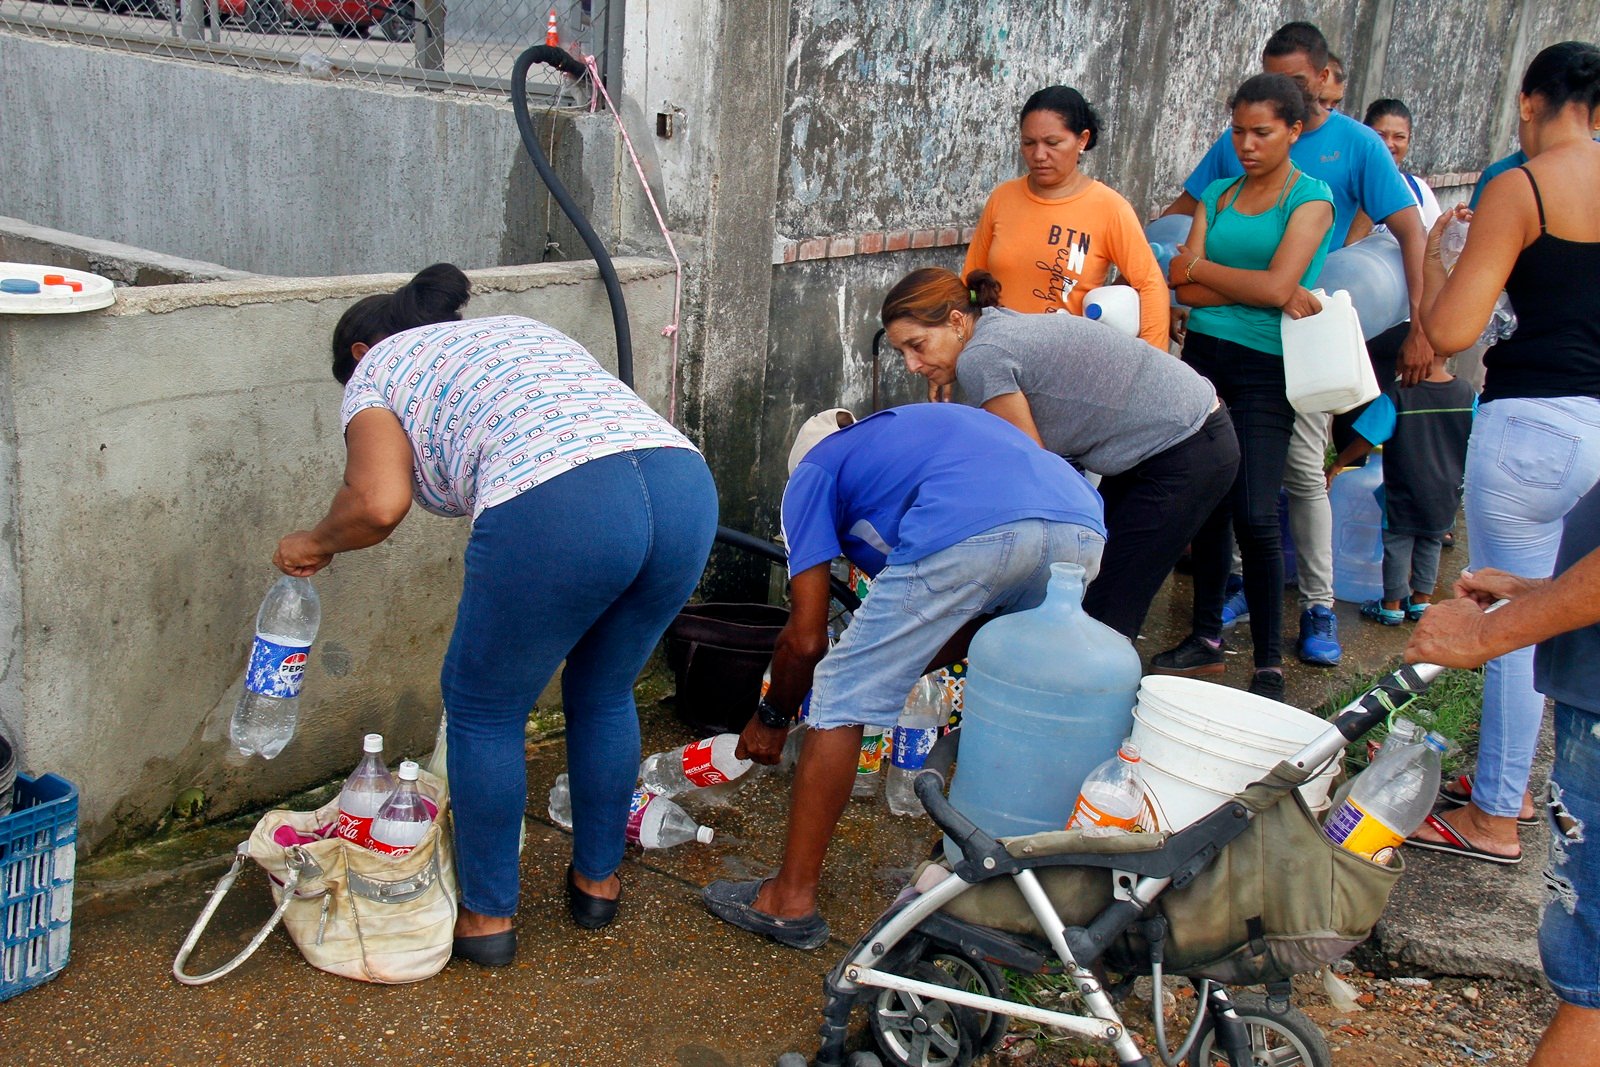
x,y
150,456
279,174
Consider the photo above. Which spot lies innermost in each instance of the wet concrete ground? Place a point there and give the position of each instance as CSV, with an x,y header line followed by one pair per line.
x,y
665,984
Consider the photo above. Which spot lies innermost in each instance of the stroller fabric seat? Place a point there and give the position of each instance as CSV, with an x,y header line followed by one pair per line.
x,y
1279,900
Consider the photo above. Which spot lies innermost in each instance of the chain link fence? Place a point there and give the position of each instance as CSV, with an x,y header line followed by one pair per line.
x,y
445,44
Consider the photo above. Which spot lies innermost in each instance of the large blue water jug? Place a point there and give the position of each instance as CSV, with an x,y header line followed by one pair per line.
x,y
1374,275
1358,532
1050,695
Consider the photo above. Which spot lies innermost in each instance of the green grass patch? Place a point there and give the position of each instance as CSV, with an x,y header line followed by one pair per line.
x,y
1452,706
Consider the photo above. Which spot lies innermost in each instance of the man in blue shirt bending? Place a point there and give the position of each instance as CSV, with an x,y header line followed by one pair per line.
x,y
958,515
1362,175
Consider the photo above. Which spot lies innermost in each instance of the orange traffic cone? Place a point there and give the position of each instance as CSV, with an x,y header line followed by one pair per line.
x,y
551,35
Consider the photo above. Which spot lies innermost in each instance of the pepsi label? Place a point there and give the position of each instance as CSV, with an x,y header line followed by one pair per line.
x,y
909,749
276,670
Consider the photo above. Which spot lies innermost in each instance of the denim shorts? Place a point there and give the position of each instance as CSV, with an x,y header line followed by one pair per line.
x,y
914,608
1569,936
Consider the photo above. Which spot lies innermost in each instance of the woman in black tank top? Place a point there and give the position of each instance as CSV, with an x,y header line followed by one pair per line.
x,y
1535,447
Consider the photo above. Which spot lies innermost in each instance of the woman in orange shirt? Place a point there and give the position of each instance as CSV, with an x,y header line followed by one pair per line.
x,y
1053,235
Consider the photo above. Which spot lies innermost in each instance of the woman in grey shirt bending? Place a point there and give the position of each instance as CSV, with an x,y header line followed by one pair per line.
x,y
1150,426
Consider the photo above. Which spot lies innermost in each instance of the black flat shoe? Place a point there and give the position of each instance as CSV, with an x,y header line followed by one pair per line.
x,y
589,911
487,950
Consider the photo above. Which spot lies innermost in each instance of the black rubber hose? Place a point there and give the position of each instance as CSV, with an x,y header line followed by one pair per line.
x,y
564,62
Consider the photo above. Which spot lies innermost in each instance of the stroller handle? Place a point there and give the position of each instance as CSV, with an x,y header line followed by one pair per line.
x,y
979,850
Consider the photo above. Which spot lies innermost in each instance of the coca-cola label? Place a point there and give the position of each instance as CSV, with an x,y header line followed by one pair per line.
x,y
697,765
276,670
636,806
909,749
390,850
355,828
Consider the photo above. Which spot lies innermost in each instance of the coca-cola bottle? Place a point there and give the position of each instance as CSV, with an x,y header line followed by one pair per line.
x,y
364,792
404,818
696,766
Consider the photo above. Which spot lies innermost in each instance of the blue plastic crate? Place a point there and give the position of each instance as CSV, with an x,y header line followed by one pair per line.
x,y
38,854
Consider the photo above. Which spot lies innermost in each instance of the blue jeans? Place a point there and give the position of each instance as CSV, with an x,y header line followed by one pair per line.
x,y
914,608
589,567
1528,463
1569,935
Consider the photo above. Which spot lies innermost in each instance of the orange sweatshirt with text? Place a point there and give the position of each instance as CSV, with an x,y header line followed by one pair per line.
x,y
1048,254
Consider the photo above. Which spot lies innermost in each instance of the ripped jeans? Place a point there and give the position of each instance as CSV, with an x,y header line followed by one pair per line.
x,y
1569,935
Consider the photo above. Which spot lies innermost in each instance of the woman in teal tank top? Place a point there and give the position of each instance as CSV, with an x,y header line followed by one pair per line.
x,y
1257,242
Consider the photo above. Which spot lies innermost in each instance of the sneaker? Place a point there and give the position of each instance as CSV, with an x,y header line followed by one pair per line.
x,y
1235,609
1414,610
1374,610
1194,656
1268,684
1319,637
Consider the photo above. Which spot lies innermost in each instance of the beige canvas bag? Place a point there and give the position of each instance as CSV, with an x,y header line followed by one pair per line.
x,y
351,911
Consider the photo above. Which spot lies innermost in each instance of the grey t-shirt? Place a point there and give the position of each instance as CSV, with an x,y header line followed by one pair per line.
x,y
1102,399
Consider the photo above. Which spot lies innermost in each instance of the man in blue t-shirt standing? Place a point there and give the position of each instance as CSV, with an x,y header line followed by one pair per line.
x,y
958,515
1362,175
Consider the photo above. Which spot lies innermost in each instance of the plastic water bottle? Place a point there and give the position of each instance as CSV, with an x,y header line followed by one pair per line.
x,y
1112,797
264,720
927,709
656,822
1389,799
1451,242
865,786
1358,532
1373,272
1115,305
560,806
364,793
1402,732
695,766
404,818
1165,252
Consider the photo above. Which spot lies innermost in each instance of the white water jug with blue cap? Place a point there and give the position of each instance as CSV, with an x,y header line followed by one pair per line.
x,y
1325,361
1049,697
1115,305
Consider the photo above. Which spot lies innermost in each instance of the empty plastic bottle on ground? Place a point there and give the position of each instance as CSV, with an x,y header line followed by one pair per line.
x,y
264,720
560,806
656,822
1112,797
694,766
868,764
926,711
368,786
1389,799
404,818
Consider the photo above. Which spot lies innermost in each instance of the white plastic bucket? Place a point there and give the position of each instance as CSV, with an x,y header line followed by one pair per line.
x,y
1200,743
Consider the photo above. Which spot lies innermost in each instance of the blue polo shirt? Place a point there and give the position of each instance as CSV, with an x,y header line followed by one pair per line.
x,y
1349,157
904,483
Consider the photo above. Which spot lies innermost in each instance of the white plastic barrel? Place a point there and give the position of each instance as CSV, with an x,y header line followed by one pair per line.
x,y
1200,743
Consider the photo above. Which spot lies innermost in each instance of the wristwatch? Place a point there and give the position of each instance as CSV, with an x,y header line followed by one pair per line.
x,y
770,716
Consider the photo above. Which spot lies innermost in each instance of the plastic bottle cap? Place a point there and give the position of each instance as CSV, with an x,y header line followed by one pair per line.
x,y
1092,311
19,286
704,835
408,771
55,279
372,743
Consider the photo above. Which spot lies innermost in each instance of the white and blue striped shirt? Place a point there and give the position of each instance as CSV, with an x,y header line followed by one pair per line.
x,y
495,406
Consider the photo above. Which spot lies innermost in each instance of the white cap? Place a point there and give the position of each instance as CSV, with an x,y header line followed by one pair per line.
x,y
408,771
372,743
704,835
814,429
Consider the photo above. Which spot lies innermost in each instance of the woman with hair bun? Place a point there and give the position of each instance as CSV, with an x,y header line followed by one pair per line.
x,y
1054,234
591,522
1151,427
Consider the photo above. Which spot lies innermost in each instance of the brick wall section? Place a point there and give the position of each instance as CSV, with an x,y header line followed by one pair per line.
x,y
800,250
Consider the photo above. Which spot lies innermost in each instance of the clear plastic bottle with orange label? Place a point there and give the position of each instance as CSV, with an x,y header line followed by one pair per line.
x,y
1112,797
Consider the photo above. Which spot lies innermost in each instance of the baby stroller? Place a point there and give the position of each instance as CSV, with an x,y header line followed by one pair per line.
x,y
1252,893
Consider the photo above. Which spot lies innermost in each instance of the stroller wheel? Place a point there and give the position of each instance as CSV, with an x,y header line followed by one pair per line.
x,y
1287,1039
916,1031
975,976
